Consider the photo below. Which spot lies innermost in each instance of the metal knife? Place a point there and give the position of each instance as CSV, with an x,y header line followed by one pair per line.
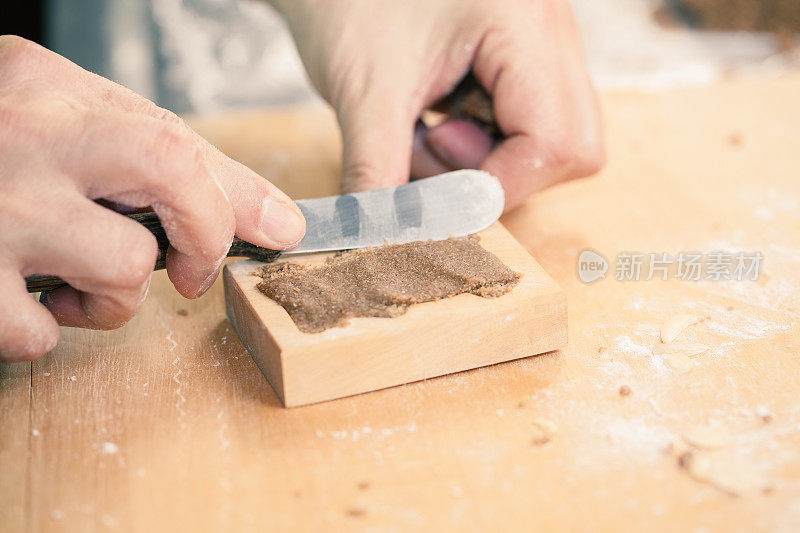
x,y
449,205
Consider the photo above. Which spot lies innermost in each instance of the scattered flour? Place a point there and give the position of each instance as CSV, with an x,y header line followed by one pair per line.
x,y
636,436
109,448
355,434
624,344
171,340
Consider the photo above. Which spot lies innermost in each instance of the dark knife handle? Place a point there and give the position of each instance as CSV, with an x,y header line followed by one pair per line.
x,y
239,248
469,100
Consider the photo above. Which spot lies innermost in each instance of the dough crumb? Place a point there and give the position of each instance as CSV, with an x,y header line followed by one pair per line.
x,y
624,390
678,362
673,327
710,437
384,281
764,414
544,430
721,469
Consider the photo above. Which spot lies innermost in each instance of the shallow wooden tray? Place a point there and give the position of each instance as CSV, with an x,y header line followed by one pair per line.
x,y
431,339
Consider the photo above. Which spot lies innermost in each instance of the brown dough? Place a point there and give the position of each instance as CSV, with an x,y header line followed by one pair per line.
x,y
384,281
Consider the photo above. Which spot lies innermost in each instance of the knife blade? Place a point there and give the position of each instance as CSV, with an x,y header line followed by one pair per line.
x,y
449,205
457,203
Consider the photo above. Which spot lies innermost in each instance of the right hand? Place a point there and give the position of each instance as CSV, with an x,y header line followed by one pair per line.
x,y
68,137
381,63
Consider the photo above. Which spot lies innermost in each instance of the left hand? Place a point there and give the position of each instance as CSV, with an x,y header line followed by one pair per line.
x,y
380,63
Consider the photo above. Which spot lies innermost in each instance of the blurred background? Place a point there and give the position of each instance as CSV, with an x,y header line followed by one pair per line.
x,y
201,56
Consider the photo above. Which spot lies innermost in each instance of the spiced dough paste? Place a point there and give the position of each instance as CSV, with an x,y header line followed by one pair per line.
x,y
383,281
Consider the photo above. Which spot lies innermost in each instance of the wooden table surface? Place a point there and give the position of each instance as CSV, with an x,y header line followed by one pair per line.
x,y
167,424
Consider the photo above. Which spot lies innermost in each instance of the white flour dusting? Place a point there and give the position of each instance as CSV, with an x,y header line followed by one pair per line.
x,y
636,436
624,344
109,448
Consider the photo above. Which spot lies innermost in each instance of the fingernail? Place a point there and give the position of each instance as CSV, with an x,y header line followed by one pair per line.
x,y
209,281
145,292
281,223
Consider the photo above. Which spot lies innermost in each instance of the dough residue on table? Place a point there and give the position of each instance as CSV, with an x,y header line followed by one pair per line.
x,y
383,281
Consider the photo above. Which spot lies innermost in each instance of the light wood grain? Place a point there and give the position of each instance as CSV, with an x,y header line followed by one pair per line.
x,y
431,339
15,392
204,444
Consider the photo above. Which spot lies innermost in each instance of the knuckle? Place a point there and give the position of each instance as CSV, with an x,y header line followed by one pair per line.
x,y
349,84
13,45
136,263
10,40
17,55
24,112
142,105
361,176
59,103
164,114
560,153
172,157
14,122
575,155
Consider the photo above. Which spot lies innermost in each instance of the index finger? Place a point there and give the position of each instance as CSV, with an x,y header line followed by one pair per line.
x,y
263,214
